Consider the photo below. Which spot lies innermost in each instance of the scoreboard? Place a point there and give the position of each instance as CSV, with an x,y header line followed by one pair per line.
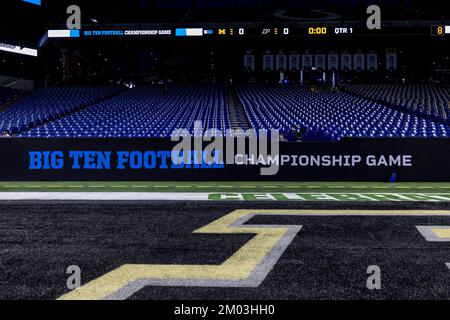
x,y
239,32
440,30
205,32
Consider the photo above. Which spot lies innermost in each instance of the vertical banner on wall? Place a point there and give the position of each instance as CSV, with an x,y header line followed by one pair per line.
x,y
307,61
372,61
268,62
320,62
249,62
346,61
391,59
333,61
359,61
294,62
281,62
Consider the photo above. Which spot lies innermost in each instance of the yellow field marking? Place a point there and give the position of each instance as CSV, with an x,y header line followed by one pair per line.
x,y
442,233
238,267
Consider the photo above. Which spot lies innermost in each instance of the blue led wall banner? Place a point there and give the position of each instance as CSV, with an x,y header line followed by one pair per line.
x,y
36,2
411,160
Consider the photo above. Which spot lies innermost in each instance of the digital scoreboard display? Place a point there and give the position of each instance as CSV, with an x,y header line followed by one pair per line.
x,y
240,32
205,32
319,30
440,30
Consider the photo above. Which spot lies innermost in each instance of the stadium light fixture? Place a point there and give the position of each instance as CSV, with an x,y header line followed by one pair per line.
x,y
19,50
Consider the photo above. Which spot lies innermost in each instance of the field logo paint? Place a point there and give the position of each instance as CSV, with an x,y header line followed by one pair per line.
x,y
435,234
248,267
329,196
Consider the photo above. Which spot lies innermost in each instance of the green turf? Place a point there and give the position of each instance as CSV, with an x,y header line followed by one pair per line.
x,y
286,187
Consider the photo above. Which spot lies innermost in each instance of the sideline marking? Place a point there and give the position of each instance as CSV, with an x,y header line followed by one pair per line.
x,y
248,267
225,196
237,185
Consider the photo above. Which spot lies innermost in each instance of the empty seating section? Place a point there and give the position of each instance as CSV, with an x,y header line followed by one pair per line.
x,y
144,112
152,112
333,115
421,99
6,94
48,104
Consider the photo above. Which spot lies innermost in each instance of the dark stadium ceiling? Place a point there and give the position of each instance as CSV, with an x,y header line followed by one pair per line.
x,y
25,23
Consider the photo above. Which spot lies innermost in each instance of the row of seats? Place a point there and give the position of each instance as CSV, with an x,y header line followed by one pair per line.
x,y
144,112
50,103
154,112
421,99
332,115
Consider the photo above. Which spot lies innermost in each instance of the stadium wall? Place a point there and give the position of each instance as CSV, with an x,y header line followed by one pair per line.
x,y
377,160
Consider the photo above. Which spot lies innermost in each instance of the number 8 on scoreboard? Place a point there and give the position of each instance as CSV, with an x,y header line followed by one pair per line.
x,y
440,30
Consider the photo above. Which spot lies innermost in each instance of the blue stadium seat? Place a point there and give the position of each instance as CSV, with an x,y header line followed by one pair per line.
x,y
48,104
151,112
144,112
421,99
330,115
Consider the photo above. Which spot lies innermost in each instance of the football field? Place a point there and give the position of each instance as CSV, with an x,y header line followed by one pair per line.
x,y
227,191
243,242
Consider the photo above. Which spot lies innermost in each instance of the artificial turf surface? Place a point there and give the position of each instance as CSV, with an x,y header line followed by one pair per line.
x,y
326,260
294,187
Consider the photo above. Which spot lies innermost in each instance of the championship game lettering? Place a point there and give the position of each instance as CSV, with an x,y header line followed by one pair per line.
x,y
137,160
